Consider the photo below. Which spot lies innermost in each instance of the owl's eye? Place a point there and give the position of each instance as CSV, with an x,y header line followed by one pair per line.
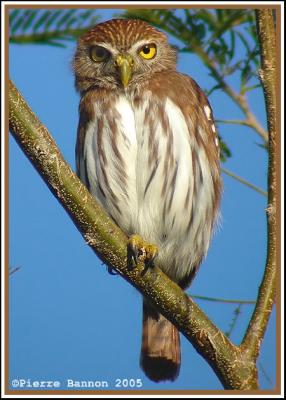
x,y
99,53
148,51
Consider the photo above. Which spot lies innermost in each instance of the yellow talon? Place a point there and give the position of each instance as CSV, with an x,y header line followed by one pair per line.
x,y
151,252
138,249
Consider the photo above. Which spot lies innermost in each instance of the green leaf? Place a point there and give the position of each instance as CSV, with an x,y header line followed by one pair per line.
x,y
86,14
43,27
43,18
13,15
247,89
65,17
220,15
29,19
71,22
210,91
208,18
230,69
17,23
200,31
52,18
232,45
245,73
244,41
225,151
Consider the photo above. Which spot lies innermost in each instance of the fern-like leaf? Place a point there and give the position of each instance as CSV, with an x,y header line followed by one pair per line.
x,y
49,26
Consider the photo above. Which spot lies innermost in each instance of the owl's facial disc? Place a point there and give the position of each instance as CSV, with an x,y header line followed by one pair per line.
x,y
124,63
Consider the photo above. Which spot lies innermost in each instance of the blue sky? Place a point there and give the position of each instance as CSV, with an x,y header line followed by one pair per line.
x,y
70,319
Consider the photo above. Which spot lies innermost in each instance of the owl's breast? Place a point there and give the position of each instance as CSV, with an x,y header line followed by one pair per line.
x,y
141,162
109,159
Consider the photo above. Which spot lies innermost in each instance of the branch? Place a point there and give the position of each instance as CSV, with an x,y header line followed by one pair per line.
x,y
228,361
238,98
233,323
220,300
232,121
244,181
267,290
13,270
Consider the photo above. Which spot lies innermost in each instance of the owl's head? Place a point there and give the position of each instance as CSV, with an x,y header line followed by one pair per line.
x,y
121,53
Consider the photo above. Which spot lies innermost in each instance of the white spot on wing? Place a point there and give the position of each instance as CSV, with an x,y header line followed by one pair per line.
x,y
213,128
207,112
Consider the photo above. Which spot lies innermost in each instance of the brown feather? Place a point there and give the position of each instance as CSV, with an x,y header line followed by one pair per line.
x,y
160,351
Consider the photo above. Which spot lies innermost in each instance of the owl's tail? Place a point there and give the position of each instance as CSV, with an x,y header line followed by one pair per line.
x,y
160,351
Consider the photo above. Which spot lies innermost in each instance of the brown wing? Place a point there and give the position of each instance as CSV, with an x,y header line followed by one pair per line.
x,y
193,103
86,114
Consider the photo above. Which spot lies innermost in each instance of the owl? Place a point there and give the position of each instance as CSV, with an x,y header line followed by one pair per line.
x,y
148,151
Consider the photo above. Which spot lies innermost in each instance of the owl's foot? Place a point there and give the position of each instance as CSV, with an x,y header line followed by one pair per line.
x,y
138,249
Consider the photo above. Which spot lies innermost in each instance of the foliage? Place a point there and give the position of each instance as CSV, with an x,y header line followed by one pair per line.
x,y
225,151
52,27
212,34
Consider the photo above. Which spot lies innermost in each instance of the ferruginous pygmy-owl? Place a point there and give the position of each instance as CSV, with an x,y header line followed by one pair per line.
x,y
147,150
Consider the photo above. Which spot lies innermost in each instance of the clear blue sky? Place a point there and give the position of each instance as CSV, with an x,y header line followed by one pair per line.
x,y
70,319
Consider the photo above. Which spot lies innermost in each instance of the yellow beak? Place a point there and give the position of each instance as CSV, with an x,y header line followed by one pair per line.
x,y
124,62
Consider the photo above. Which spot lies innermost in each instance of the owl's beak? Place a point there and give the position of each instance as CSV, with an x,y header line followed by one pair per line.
x,y
124,63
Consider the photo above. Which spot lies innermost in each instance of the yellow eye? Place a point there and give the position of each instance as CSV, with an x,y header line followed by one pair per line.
x,y
99,53
148,51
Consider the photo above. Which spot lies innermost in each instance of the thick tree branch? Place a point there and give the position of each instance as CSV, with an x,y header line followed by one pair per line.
x,y
227,360
267,290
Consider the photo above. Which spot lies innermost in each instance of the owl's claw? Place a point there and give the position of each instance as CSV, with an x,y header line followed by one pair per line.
x,y
138,249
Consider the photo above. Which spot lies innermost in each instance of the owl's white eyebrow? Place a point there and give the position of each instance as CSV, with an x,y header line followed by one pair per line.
x,y
141,43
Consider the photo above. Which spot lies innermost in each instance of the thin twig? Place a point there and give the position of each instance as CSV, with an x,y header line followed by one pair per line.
x,y
13,270
265,374
220,300
232,121
237,313
244,181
